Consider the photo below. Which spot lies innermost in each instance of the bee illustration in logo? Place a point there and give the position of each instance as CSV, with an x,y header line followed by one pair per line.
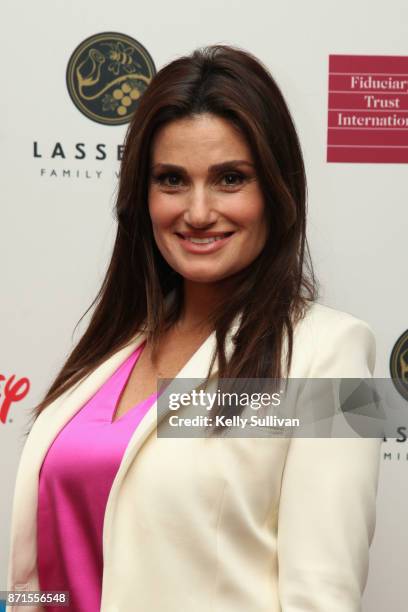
x,y
121,57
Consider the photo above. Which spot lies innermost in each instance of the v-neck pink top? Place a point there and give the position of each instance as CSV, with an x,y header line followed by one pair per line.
x,y
74,484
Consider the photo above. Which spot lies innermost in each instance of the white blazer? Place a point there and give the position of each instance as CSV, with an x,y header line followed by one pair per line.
x,y
226,524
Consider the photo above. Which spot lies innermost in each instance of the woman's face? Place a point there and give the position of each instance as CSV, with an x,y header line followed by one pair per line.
x,y
205,201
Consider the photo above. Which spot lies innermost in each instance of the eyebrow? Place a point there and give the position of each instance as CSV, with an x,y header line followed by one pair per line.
x,y
214,168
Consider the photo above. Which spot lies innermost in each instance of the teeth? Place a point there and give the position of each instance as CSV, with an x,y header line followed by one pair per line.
x,y
204,240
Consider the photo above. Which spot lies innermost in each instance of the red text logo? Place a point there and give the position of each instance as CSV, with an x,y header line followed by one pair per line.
x,y
14,391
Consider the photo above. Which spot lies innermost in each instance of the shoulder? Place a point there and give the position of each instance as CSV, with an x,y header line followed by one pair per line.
x,y
326,315
337,343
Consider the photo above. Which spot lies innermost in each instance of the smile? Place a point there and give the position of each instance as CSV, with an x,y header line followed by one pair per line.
x,y
207,244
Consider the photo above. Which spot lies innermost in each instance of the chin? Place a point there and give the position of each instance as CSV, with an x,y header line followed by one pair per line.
x,y
204,276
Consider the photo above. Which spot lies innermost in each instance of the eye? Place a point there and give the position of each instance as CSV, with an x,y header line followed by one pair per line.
x,y
168,179
233,179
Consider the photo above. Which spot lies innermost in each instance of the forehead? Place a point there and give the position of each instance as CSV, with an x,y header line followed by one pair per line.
x,y
199,140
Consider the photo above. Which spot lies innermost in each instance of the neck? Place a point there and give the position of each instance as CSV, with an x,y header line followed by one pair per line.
x,y
199,300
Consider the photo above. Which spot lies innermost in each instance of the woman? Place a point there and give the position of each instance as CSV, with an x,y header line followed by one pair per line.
x,y
209,275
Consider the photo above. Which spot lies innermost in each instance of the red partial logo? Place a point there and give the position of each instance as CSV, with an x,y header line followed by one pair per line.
x,y
13,391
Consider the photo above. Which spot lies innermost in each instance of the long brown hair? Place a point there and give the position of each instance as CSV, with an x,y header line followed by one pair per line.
x,y
272,292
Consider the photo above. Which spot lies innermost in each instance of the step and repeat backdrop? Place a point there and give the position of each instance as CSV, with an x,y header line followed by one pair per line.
x,y
73,74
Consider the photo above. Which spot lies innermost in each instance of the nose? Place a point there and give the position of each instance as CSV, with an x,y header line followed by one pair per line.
x,y
199,211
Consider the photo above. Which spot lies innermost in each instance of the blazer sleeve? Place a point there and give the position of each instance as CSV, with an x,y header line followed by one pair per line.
x,y
327,507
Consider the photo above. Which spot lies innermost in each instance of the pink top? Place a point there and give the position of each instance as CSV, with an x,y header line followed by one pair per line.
x,y
74,484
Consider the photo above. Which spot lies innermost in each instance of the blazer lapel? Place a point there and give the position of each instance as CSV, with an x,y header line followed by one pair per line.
x,y
196,368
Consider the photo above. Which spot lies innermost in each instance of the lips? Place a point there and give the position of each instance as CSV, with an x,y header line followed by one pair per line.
x,y
204,237
205,242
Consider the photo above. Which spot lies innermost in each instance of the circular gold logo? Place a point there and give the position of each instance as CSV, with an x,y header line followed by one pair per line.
x,y
399,365
106,76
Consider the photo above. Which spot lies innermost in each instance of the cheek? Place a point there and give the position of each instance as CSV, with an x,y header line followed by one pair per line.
x,y
250,213
257,223
159,213
155,209
163,210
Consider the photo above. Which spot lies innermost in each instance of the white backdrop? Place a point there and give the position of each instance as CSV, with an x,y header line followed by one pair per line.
x,y
56,233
